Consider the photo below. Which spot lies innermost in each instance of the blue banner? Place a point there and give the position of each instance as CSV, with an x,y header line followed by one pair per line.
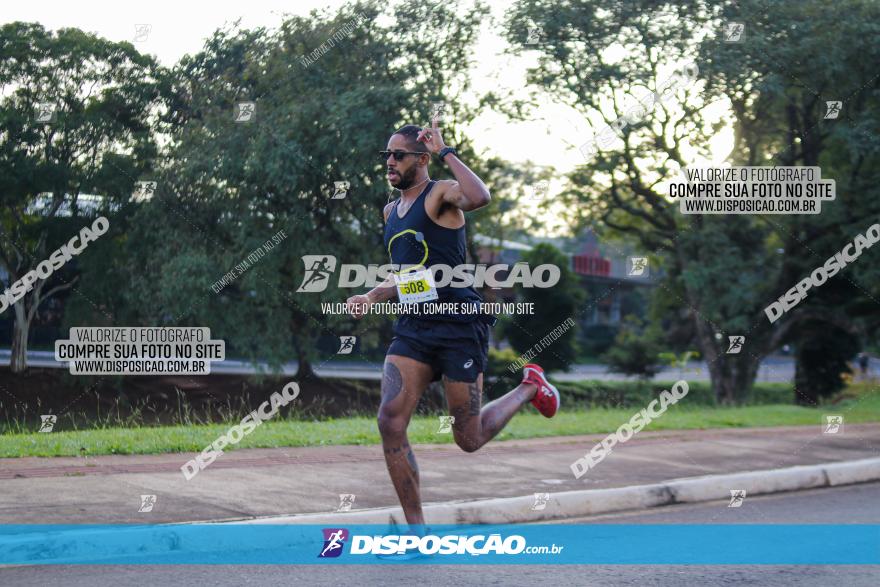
x,y
621,544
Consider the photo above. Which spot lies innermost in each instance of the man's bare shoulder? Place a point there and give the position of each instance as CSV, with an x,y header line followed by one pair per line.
x,y
442,185
388,207
438,192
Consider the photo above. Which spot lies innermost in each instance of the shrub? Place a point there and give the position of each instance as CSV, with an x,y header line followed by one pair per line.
x,y
637,394
636,351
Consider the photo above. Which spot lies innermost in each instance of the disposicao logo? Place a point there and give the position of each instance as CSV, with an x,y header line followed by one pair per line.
x,y
334,540
319,269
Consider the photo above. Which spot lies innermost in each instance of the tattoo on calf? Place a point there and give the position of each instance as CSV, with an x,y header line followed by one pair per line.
x,y
393,450
411,459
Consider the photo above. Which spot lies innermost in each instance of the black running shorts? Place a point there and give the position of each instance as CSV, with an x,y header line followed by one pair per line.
x,y
458,350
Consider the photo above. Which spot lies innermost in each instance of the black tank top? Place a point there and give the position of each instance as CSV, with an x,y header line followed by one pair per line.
x,y
416,234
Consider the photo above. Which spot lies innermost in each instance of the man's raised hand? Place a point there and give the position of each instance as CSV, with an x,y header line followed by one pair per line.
x,y
431,136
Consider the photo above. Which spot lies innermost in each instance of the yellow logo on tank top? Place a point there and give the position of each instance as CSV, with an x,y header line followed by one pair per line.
x,y
416,283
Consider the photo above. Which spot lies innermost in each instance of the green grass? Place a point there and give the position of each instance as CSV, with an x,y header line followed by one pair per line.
x,y
860,404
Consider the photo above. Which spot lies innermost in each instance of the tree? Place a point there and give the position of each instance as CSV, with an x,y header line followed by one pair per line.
x,y
226,186
822,358
636,350
779,118
77,116
723,270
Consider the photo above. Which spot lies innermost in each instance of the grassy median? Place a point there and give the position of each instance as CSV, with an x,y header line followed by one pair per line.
x,y
858,404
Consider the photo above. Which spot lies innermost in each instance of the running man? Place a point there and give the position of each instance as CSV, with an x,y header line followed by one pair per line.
x,y
423,228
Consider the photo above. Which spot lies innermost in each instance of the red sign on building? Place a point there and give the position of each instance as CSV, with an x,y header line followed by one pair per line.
x,y
591,265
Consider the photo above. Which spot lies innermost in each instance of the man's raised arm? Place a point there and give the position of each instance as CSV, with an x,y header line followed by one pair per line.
x,y
468,192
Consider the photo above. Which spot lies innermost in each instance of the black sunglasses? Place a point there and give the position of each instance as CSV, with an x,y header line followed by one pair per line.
x,y
399,155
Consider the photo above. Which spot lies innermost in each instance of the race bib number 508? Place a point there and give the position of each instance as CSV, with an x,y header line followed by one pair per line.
x,y
416,286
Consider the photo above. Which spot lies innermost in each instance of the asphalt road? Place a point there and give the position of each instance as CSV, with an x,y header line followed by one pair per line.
x,y
853,504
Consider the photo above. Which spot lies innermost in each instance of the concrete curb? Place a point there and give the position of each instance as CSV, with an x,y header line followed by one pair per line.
x,y
58,547
571,504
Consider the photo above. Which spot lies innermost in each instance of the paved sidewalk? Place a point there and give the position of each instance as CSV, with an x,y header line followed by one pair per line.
x,y
263,482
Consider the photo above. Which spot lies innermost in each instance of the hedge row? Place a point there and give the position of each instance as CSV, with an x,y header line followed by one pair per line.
x,y
632,393
639,394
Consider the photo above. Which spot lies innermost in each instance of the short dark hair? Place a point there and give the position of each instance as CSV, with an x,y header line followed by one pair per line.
x,y
411,133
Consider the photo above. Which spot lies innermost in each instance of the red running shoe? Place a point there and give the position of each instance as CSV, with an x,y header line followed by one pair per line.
x,y
547,397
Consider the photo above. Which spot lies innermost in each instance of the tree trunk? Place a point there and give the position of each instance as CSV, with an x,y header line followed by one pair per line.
x,y
732,376
805,394
304,370
21,329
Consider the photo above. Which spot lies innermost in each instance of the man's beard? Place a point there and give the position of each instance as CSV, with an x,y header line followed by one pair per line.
x,y
407,179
